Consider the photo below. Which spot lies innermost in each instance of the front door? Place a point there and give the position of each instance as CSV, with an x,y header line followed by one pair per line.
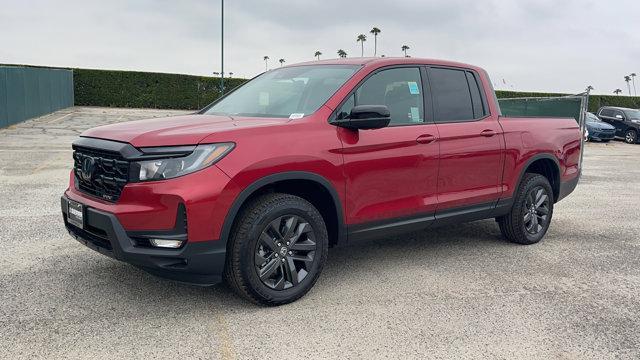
x,y
616,118
391,172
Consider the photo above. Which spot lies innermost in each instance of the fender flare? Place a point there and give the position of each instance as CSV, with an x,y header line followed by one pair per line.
x,y
270,179
534,158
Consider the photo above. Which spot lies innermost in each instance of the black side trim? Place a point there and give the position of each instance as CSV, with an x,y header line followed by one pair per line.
x,y
389,227
503,207
290,175
465,214
398,226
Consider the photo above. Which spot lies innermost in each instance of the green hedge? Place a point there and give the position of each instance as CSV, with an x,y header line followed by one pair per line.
x,y
595,101
146,90
175,91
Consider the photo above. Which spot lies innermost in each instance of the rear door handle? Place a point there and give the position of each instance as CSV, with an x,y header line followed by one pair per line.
x,y
487,133
426,139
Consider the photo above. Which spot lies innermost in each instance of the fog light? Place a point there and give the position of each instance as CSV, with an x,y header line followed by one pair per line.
x,y
162,243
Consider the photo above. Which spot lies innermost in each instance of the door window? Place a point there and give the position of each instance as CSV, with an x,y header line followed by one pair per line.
x,y
606,112
400,89
456,95
616,113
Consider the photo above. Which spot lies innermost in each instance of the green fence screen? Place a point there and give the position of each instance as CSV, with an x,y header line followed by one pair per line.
x,y
567,106
27,92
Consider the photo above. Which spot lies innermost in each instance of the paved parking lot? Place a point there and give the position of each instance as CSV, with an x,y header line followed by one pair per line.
x,y
457,292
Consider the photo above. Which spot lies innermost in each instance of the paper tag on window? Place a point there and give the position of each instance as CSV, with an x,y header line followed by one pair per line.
x,y
263,99
415,114
296,116
413,88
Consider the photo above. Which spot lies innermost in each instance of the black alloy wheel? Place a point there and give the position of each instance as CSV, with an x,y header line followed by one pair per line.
x,y
536,210
285,252
277,249
530,216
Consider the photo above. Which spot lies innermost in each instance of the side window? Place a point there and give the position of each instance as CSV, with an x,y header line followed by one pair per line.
x,y
399,89
452,96
618,112
606,112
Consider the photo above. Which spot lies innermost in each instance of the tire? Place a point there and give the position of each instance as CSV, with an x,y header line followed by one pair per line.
x,y
271,228
631,136
518,225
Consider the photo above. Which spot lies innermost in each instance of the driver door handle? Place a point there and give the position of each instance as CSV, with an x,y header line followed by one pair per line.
x,y
426,139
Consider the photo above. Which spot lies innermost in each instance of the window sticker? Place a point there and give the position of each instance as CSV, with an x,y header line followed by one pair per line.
x,y
296,116
413,88
415,114
263,99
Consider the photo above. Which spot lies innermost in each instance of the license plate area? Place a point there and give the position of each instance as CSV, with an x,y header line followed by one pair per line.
x,y
75,213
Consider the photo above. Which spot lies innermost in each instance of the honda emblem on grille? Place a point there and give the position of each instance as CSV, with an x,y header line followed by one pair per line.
x,y
86,171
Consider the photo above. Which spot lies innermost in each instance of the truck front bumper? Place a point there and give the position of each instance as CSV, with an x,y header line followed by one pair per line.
x,y
199,262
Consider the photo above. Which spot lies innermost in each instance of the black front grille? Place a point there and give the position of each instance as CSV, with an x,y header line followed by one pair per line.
x,y
100,173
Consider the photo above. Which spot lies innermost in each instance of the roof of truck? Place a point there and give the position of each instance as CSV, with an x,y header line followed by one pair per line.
x,y
384,61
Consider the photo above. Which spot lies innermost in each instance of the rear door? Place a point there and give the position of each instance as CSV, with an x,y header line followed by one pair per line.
x,y
471,141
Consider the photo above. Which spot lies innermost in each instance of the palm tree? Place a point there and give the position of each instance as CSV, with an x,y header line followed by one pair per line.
x,y
589,88
405,48
281,61
633,78
266,62
317,54
617,91
627,79
375,31
361,39
342,53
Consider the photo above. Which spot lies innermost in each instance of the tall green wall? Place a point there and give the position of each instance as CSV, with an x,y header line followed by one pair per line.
x,y
27,92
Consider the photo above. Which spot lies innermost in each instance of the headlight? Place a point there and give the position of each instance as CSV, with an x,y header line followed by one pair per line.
x,y
201,157
635,121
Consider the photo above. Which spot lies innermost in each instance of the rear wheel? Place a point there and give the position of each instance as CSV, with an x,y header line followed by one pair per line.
x,y
631,136
530,216
277,249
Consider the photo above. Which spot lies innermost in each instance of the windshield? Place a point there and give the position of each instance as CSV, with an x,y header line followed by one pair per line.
x,y
291,92
592,118
633,114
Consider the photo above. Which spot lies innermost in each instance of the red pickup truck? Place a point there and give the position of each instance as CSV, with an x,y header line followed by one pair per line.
x,y
257,186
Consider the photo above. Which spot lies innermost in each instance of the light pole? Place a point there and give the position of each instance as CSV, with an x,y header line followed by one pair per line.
x,y
222,47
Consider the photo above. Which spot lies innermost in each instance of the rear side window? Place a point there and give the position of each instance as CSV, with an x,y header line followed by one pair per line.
x,y
456,95
606,112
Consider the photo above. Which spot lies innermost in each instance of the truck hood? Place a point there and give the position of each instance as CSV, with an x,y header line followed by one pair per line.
x,y
175,130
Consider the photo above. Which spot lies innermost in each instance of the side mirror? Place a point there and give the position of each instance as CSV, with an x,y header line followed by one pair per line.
x,y
366,117
619,117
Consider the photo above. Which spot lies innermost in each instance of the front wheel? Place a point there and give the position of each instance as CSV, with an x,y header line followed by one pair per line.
x,y
530,216
631,136
277,249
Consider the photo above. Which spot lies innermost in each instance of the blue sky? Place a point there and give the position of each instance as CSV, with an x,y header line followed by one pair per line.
x,y
536,45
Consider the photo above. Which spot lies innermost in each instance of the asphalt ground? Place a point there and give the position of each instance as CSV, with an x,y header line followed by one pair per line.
x,y
454,292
